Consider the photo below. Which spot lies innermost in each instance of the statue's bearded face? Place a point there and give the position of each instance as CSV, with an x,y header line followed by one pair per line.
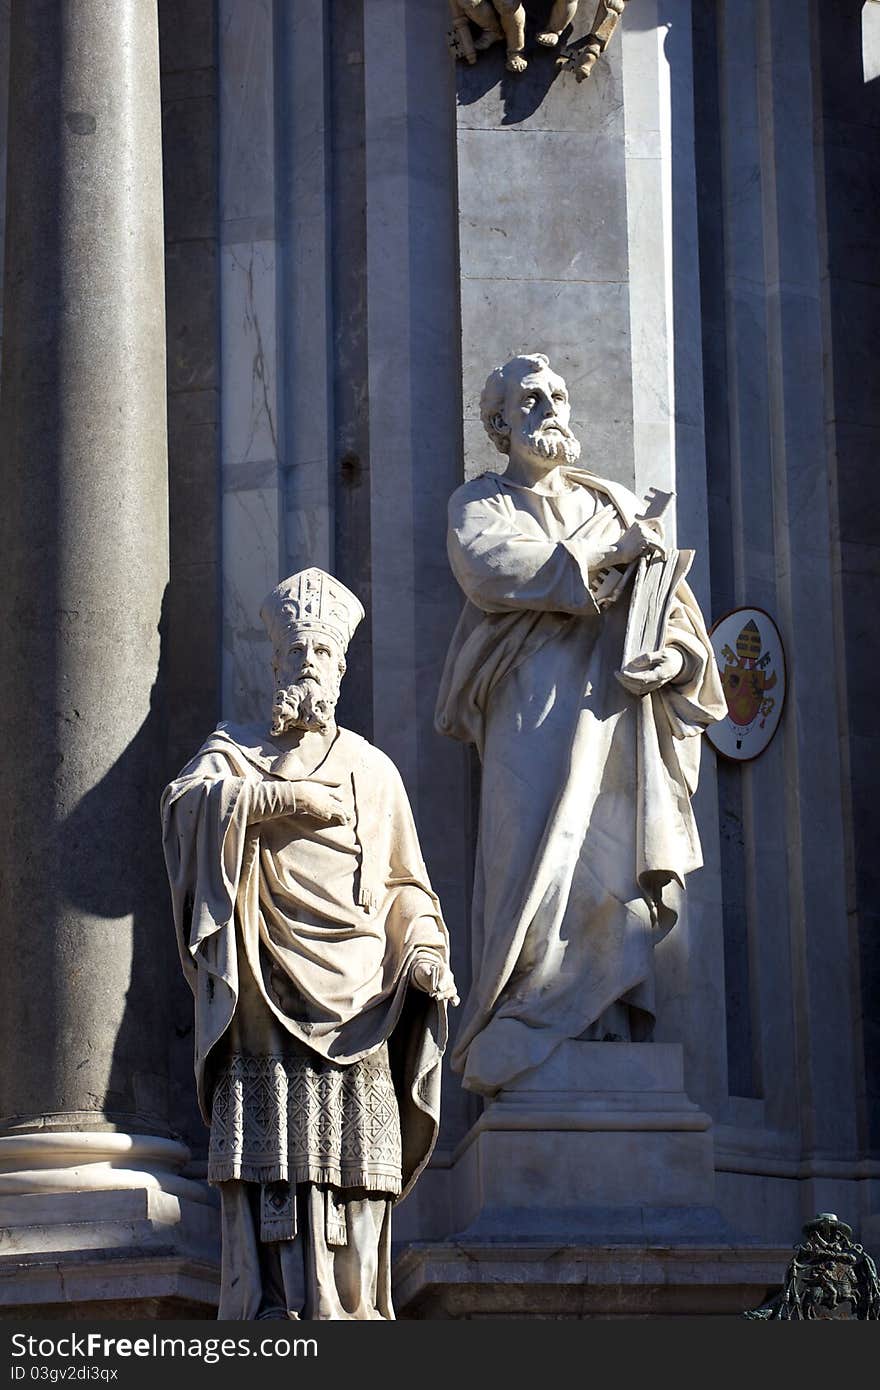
x,y
309,675
537,411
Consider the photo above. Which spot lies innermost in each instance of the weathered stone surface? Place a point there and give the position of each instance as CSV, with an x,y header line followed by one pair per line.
x,y
601,1139
191,270
85,532
104,1221
189,134
565,1279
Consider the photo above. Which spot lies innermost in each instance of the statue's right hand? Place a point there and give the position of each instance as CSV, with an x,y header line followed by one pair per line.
x,y
319,803
642,538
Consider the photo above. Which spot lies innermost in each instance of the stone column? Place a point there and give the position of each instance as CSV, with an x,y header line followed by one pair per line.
x,y
84,922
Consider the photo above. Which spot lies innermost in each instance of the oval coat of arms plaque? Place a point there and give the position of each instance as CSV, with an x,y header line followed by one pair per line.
x,y
751,660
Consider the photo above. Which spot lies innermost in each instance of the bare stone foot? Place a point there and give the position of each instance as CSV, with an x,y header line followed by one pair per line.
x,y
583,71
515,63
549,40
486,39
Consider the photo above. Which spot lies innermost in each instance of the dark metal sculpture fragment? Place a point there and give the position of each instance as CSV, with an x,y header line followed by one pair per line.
x,y
829,1277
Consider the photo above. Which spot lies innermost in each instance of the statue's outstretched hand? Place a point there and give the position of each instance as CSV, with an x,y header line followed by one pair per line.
x,y
433,976
277,799
650,672
320,803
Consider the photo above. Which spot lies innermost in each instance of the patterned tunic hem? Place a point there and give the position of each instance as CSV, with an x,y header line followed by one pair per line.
x,y
378,1180
298,1118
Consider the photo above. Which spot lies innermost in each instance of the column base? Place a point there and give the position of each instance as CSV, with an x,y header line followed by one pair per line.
x,y
103,1225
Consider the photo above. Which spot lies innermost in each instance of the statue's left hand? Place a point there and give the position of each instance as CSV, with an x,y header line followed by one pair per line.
x,y
650,672
433,976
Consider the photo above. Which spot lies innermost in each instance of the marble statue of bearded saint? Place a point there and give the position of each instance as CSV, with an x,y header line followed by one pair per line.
x,y
586,824
318,958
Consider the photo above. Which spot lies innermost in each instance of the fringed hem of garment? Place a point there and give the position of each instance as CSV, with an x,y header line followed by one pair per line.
x,y
378,1180
298,1119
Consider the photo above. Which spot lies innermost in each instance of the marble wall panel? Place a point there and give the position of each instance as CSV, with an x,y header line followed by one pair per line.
x,y
860,568
189,125
742,1056
192,611
413,399
191,272
854,210
250,431
193,664
193,446
768,908
858,482
677,128
525,144
249,472
306,285
534,184
713,319
856,370
250,419
187,36
5,6
390,385
740,489
649,242
865,767
820,932
753,1203
850,167
867,935
250,570
247,93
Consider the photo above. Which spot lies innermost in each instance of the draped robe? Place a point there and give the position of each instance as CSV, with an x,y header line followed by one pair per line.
x,y
298,940
586,824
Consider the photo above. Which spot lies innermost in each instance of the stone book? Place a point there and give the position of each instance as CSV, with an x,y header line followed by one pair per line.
x,y
654,586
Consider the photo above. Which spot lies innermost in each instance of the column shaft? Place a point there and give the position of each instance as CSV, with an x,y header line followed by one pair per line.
x,y
84,927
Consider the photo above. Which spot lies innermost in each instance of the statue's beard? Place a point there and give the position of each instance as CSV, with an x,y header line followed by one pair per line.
x,y
304,705
557,445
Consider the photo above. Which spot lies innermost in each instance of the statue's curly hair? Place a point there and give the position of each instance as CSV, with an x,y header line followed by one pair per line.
x,y
495,391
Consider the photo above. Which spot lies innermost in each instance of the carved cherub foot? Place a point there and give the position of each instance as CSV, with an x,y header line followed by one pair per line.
x,y
583,70
549,39
486,39
516,63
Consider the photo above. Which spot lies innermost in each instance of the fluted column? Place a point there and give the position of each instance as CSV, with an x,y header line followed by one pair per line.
x,y
84,545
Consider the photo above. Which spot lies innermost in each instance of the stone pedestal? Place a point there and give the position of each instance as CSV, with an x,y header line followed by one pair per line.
x,y
559,1279
587,1189
601,1140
